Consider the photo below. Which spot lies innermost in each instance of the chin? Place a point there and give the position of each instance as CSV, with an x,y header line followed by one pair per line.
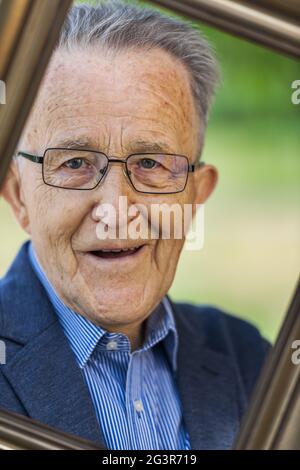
x,y
114,315
117,305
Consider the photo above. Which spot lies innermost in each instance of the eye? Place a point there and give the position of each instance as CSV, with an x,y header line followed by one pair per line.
x,y
74,163
148,163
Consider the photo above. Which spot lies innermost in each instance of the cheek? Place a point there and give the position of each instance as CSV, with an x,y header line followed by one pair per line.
x,y
165,261
54,215
167,216
170,250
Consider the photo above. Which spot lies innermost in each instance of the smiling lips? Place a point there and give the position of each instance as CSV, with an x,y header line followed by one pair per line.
x,y
115,252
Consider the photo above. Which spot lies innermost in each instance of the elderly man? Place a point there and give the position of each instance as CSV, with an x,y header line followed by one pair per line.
x,y
94,346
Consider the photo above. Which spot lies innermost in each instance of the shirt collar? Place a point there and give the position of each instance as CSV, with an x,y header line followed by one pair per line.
x,y
84,336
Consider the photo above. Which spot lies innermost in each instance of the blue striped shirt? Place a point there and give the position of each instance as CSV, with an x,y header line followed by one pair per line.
x,y
134,393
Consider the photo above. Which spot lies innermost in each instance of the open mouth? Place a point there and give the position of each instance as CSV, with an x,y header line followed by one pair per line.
x,y
116,253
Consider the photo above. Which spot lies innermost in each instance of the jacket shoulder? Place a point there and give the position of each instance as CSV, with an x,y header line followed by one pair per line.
x,y
226,334
25,310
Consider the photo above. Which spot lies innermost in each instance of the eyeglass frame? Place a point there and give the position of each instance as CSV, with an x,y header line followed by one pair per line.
x,y
40,159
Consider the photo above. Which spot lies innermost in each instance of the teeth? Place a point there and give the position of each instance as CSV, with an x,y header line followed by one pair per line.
x,y
118,250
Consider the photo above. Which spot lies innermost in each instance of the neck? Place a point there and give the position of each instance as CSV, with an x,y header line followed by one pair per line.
x,y
135,334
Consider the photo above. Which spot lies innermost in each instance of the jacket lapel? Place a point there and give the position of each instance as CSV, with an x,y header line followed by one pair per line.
x,y
207,387
44,373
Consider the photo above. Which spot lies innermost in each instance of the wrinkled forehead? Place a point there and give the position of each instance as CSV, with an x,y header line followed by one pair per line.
x,y
99,92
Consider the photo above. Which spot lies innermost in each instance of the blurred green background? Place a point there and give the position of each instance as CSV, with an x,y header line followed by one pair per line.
x,y
251,256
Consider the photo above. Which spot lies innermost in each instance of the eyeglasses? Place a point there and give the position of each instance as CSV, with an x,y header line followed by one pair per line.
x,y
149,173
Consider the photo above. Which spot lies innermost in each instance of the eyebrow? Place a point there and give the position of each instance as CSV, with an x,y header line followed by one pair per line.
x,y
140,146
137,146
76,143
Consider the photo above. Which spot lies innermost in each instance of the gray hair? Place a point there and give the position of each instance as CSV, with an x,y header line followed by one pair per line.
x,y
117,25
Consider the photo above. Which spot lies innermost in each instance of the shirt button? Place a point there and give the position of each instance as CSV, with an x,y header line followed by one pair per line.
x,y
138,405
112,345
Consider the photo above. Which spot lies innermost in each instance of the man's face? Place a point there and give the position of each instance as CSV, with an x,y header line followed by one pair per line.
x,y
113,103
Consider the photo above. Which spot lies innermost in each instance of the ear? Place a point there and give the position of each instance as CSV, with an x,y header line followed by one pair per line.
x,y
12,193
206,178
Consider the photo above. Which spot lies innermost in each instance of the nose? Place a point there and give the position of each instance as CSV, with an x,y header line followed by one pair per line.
x,y
114,196
115,181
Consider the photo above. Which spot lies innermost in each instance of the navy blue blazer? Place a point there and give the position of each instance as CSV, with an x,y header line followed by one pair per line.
x,y
219,359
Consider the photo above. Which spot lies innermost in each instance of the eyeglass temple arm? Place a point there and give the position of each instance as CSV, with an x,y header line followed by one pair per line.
x,y
193,166
33,158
